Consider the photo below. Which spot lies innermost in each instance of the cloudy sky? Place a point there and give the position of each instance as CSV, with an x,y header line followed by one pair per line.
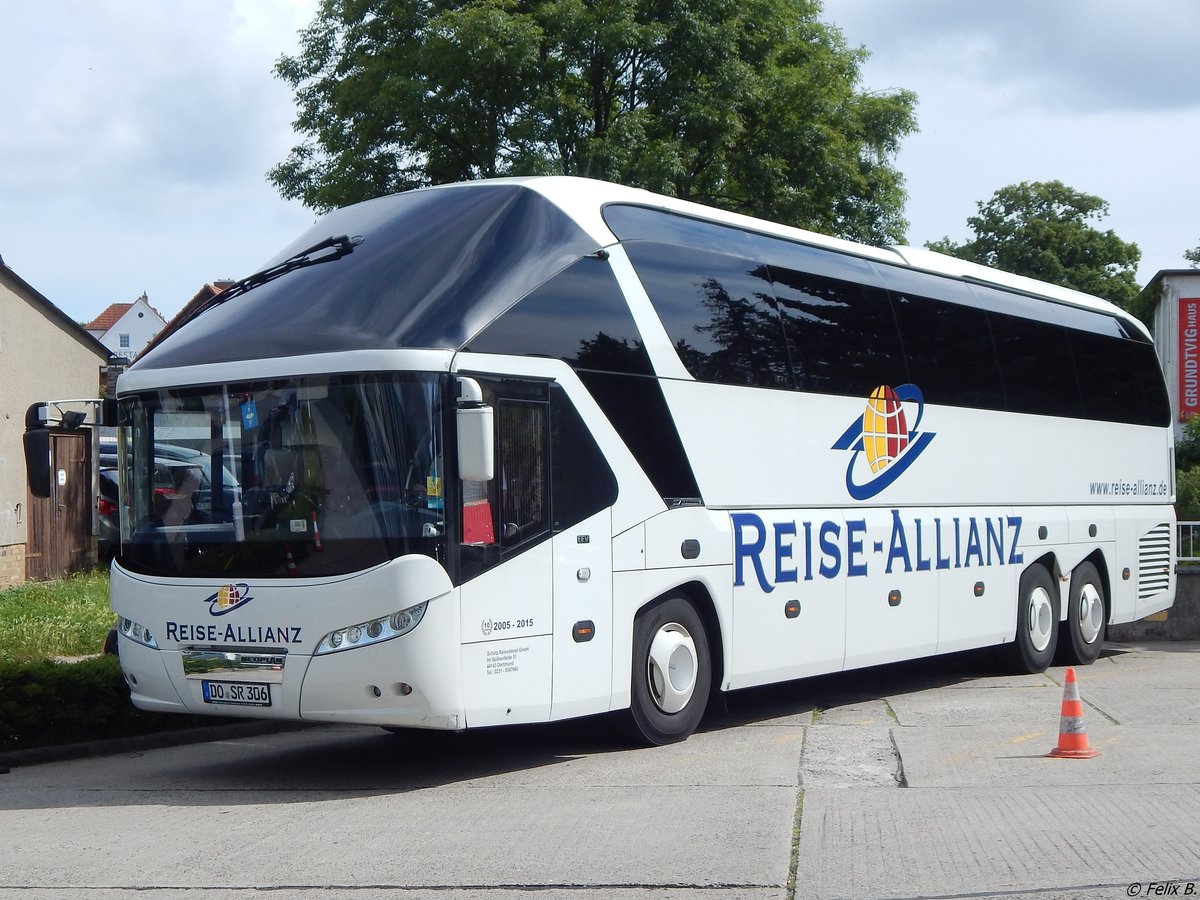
x,y
135,137
1103,95
134,141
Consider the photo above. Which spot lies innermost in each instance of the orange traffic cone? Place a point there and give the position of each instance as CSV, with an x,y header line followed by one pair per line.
x,y
1072,738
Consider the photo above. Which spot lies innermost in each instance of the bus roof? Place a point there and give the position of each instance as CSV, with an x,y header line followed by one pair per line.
x,y
430,268
583,199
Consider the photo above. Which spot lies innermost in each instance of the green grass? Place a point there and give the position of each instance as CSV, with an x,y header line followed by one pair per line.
x,y
46,703
43,620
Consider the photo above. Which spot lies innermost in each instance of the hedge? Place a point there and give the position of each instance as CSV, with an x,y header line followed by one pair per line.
x,y
45,703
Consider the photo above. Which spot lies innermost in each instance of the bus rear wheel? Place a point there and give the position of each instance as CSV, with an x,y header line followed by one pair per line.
x,y
1085,617
1037,622
671,673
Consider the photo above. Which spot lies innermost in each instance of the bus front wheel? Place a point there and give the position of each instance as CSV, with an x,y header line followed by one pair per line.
x,y
671,674
1037,622
1085,617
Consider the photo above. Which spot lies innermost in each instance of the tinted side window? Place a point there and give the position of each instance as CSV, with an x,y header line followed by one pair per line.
x,y
579,316
638,411
580,479
783,254
842,335
638,223
1036,365
719,311
1120,379
510,513
521,472
1107,369
949,352
1157,403
963,344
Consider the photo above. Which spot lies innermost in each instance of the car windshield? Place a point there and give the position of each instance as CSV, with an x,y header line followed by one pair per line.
x,y
171,461
304,476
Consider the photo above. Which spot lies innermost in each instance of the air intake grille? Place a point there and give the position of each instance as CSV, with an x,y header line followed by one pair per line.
x,y
1154,561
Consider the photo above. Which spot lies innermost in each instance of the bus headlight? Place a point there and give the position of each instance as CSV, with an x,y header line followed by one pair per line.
x,y
136,632
375,631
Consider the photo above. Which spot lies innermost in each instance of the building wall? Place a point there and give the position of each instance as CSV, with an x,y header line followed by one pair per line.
x,y
1171,333
42,358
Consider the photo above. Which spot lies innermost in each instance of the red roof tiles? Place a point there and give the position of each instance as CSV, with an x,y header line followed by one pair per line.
x,y
109,317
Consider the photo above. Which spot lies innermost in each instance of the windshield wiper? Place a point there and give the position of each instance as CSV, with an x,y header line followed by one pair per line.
x,y
338,247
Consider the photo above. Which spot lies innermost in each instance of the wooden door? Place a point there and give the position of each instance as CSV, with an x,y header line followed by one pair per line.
x,y
60,526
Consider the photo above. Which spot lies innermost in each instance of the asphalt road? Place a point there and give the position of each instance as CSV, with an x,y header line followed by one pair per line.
x,y
916,780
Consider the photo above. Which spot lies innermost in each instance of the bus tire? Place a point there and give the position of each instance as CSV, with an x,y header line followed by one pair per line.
x,y
1037,622
671,672
1085,617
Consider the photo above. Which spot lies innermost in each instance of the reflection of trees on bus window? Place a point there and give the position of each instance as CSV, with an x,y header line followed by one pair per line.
x,y
608,354
842,335
579,315
746,337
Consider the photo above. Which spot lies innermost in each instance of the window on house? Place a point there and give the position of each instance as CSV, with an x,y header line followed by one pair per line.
x,y
124,342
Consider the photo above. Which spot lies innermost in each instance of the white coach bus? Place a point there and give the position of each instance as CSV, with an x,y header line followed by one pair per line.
x,y
523,450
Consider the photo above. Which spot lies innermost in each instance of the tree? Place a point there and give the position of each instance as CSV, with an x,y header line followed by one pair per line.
x,y
1192,256
1187,471
750,105
1043,229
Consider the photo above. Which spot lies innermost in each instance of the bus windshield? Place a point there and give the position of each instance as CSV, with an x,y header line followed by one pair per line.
x,y
314,476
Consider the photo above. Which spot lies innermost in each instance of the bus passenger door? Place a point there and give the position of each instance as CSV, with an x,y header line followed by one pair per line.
x,y
506,565
583,491
583,633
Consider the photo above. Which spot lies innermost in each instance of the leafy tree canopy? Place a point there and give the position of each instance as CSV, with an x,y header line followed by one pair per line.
x,y
749,105
1044,229
1187,466
1187,448
1192,256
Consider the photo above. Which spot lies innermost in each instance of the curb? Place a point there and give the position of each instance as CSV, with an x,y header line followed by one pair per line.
x,y
110,747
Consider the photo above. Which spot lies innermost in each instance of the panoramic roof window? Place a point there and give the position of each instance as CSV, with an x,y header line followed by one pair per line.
x,y
429,268
579,316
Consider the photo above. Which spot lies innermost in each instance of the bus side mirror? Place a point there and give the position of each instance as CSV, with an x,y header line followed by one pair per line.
x,y
476,446
476,440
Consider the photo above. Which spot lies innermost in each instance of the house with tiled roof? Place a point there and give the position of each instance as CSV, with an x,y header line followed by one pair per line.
x,y
126,328
45,355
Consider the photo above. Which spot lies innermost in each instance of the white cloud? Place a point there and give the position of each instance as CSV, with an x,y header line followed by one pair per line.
x,y
1098,95
1081,56
136,142
136,137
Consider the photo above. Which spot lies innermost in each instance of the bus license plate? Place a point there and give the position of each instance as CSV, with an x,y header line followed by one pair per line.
x,y
236,693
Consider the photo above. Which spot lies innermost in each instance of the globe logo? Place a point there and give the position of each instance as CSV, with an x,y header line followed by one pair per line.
x,y
882,443
884,428
228,598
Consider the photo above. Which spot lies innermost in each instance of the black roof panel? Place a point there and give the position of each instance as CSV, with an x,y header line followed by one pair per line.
x,y
433,268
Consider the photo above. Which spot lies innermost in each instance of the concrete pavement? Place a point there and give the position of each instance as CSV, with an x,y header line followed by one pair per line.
x,y
918,780
984,811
